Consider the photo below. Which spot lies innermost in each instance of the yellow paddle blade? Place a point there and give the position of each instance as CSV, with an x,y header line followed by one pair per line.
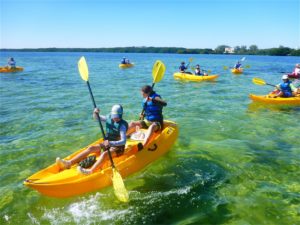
x,y
158,71
208,71
247,66
190,60
83,69
119,187
258,81
225,67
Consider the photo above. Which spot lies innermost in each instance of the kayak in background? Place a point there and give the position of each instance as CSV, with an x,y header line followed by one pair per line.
x,y
269,99
237,71
10,70
54,182
192,77
127,65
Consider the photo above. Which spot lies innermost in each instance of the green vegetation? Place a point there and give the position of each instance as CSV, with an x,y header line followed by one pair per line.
x,y
238,50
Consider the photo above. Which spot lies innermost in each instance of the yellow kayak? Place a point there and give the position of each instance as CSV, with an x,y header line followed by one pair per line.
x,y
268,99
192,77
66,183
237,71
10,70
124,66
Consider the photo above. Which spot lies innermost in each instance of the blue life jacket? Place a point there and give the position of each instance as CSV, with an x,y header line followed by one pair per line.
x,y
237,66
285,86
123,61
12,63
182,68
113,128
153,111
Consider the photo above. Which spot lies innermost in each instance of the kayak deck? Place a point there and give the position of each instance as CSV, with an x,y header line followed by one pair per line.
x,y
10,70
127,65
268,99
66,183
237,71
192,77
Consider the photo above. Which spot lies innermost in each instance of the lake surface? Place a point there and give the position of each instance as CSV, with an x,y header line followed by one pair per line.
x,y
234,162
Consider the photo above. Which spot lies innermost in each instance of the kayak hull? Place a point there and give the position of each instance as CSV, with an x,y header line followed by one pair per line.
x,y
237,71
191,77
11,70
124,66
267,99
67,183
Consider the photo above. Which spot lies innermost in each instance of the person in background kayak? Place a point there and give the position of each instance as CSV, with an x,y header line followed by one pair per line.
x,y
238,65
116,129
124,61
285,89
296,73
182,67
11,64
198,71
153,105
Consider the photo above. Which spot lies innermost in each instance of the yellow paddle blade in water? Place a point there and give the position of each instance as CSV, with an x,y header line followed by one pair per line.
x,y
247,66
258,81
191,60
158,71
83,69
225,67
119,187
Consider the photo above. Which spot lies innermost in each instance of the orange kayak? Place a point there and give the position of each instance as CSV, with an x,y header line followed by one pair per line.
x,y
237,71
10,70
268,99
53,182
124,66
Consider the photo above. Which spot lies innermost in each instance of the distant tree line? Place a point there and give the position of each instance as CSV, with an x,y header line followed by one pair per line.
x,y
239,50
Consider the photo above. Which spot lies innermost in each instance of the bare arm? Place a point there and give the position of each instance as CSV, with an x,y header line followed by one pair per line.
x,y
159,101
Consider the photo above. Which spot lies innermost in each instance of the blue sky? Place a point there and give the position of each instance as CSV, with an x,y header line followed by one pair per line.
x,y
159,23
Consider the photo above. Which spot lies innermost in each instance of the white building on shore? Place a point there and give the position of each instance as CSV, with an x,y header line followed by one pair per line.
x,y
229,50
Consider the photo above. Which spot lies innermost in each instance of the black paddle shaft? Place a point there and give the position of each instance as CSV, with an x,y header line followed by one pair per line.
x,y
271,85
100,124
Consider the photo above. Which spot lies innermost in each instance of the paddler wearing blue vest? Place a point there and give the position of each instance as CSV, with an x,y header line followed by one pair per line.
x,y
152,120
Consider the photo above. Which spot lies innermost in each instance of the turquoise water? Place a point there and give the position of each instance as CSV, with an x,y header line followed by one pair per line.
x,y
234,162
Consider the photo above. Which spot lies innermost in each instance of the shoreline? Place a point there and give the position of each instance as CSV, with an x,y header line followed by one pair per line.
x,y
280,51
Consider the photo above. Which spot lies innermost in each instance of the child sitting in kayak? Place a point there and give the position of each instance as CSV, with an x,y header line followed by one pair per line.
x,y
238,65
285,89
296,73
11,64
182,67
116,129
199,72
152,105
124,60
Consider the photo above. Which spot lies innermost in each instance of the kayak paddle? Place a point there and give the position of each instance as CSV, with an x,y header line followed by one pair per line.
x,y
190,60
158,73
259,81
118,184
